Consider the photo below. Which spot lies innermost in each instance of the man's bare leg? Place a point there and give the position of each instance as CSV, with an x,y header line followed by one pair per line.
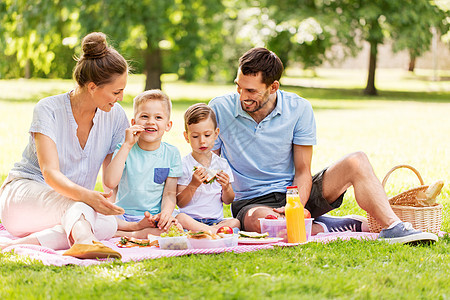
x,y
355,169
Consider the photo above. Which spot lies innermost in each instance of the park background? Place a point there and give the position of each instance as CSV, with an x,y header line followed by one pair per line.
x,y
376,72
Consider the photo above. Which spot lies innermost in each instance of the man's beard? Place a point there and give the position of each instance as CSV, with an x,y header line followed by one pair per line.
x,y
261,105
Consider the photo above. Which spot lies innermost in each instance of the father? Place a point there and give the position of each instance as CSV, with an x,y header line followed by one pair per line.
x,y
267,136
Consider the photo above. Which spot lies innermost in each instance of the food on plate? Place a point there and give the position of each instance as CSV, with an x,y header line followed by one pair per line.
x,y
129,242
203,235
173,231
211,177
253,235
271,217
225,230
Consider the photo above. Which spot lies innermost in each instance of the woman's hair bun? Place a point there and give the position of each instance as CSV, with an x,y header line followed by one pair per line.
x,y
94,45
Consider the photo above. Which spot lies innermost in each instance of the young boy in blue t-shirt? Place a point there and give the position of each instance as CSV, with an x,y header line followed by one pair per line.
x,y
144,169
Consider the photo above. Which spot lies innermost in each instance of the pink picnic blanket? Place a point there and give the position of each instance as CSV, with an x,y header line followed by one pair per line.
x,y
51,257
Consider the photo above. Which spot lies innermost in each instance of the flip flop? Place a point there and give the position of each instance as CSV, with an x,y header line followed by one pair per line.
x,y
96,250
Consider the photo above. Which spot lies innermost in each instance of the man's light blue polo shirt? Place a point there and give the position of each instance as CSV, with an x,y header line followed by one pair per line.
x,y
261,155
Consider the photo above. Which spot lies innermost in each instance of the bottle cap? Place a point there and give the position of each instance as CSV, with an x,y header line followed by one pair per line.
x,y
292,187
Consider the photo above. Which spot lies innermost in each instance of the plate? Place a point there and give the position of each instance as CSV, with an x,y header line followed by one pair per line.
x,y
259,241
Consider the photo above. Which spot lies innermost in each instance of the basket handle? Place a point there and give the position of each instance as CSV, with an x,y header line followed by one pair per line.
x,y
402,166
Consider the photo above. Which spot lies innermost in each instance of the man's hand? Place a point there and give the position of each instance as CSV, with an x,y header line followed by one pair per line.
x,y
100,203
281,210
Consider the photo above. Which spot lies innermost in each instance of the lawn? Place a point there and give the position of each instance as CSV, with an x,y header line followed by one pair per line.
x,y
406,124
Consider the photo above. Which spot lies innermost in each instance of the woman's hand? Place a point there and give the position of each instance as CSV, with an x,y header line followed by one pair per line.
x,y
100,203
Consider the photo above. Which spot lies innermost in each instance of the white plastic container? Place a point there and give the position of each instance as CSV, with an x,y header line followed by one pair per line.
x,y
277,227
308,226
229,241
174,243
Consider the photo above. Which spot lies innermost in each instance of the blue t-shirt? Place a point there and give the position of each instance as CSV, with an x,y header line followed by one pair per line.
x,y
142,184
261,155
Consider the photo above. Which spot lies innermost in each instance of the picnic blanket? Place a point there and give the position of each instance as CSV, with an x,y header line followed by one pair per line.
x,y
51,257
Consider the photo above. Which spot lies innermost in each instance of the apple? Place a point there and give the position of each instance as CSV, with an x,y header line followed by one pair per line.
x,y
271,217
307,214
225,230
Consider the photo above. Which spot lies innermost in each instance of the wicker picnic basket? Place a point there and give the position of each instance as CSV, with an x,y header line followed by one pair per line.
x,y
405,207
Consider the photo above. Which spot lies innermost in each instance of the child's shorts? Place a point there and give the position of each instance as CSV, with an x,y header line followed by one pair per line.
x,y
133,218
209,222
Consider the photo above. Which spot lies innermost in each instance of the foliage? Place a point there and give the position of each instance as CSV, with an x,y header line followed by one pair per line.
x,y
424,17
181,33
202,39
37,36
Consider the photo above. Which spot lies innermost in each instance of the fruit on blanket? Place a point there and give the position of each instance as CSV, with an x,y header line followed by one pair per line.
x,y
307,213
225,230
271,217
173,231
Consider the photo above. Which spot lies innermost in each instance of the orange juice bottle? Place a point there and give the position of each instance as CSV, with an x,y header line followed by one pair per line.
x,y
295,218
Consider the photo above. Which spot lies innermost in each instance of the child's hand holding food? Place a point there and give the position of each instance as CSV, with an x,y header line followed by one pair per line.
x,y
223,178
132,134
199,176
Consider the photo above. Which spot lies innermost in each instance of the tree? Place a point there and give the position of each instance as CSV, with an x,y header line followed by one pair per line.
x,y
156,28
407,36
32,35
377,20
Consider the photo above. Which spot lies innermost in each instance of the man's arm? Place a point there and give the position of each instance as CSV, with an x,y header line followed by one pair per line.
x,y
302,177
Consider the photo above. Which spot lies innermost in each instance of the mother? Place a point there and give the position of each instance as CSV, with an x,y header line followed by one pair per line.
x,y
48,197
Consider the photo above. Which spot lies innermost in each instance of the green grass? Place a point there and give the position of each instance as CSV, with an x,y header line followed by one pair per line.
x,y
407,124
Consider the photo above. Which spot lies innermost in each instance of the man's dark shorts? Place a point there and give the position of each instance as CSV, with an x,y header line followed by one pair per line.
x,y
317,204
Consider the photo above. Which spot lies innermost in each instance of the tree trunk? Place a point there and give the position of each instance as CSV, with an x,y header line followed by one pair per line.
x,y
27,69
153,68
412,62
370,87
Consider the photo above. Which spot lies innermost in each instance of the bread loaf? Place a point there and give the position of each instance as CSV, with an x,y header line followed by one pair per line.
x,y
434,189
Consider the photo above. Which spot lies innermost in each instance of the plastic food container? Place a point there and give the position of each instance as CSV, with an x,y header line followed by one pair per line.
x,y
174,243
277,227
229,241
308,226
